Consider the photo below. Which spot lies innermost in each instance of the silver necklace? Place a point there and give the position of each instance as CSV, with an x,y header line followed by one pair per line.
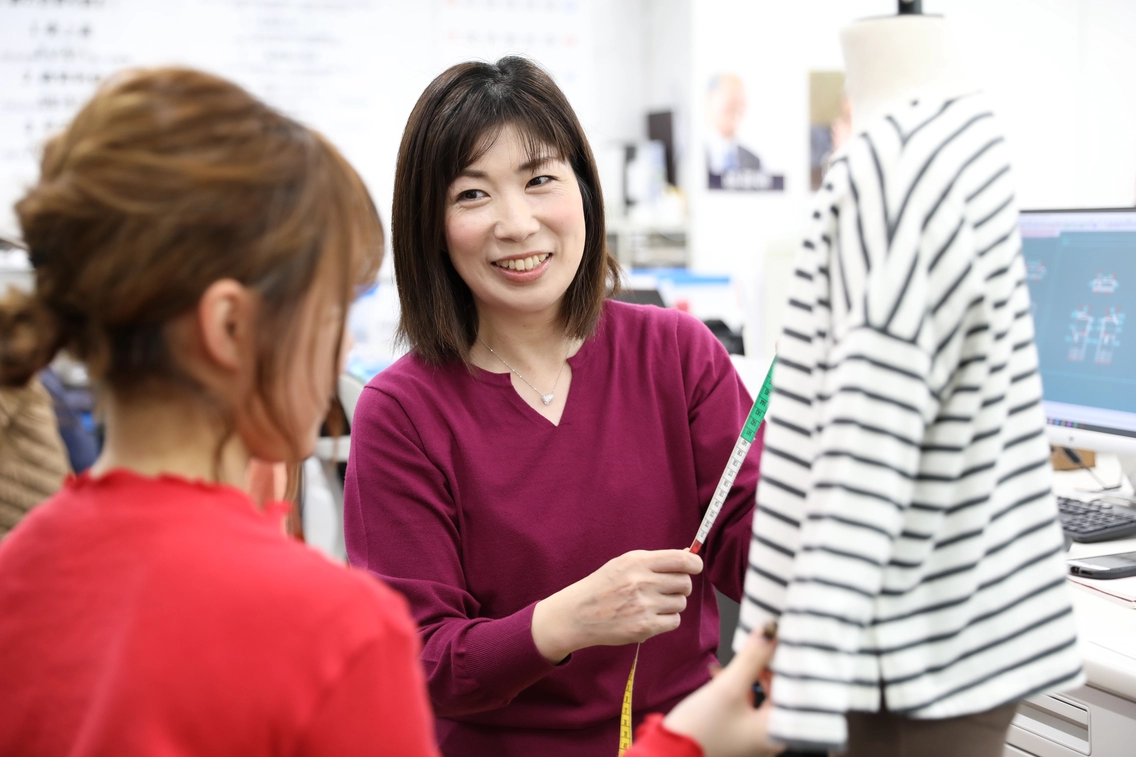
x,y
545,398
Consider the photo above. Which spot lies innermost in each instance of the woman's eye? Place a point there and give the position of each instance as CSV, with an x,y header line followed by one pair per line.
x,y
539,181
470,194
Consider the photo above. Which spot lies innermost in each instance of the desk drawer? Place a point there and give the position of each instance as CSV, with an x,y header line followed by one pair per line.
x,y
1062,724
1084,721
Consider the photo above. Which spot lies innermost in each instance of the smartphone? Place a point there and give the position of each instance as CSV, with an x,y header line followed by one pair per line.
x,y
1105,566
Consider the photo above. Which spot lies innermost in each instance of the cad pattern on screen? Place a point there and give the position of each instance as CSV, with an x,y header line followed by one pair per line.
x,y
1096,334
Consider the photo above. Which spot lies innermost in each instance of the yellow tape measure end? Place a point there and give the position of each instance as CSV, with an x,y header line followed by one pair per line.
x,y
625,711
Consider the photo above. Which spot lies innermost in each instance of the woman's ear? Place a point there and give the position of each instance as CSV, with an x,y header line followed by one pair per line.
x,y
226,319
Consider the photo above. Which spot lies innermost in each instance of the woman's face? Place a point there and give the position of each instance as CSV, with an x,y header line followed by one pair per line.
x,y
515,228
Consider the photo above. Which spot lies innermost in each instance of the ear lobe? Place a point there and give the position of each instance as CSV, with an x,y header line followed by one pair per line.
x,y
225,317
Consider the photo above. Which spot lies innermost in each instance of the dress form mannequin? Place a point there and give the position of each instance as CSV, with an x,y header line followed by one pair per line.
x,y
898,59
907,270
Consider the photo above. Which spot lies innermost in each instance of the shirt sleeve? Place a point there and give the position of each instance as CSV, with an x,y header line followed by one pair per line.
x,y
400,523
718,404
654,740
378,706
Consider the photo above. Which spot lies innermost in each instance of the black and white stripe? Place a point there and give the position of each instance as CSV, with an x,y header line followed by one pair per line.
x,y
906,535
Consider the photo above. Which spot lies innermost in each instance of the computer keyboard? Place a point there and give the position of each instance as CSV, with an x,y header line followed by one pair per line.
x,y
1095,521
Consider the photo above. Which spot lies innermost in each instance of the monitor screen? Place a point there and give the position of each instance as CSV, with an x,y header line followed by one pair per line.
x,y
1081,272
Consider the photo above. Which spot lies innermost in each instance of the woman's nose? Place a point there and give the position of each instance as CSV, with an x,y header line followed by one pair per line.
x,y
516,221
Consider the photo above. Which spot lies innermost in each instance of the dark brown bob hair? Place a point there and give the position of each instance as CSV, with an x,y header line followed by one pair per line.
x,y
167,181
455,121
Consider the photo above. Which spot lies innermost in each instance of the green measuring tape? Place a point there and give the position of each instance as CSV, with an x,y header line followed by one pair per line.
x,y
741,449
725,483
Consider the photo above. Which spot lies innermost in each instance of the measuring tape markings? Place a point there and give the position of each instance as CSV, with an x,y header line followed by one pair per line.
x,y
625,710
741,449
725,483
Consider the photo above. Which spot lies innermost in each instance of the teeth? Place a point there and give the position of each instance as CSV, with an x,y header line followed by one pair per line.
x,y
524,264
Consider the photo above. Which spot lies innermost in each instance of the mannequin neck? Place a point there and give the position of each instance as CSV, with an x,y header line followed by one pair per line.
x,y
892,61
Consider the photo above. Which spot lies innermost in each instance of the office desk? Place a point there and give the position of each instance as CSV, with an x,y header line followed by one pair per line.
x,y
1098,719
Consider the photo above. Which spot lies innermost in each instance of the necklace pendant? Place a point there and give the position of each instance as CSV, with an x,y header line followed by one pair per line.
x,y
547,398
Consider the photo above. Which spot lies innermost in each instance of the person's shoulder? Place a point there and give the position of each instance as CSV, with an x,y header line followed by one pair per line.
x,y
653,325
410,381
363,603
629,315
287,579
408,370
352,591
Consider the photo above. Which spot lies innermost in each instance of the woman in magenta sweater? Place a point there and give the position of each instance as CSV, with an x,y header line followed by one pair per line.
x,y
529,474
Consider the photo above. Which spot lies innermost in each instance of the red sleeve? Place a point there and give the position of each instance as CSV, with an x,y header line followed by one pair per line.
x,y
378,707
718,404
654,740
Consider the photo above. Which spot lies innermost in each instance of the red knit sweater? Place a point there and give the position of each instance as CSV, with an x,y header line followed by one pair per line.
x,y
162,617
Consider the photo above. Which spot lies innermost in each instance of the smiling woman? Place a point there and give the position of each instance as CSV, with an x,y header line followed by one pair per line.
x,y
515,230
544,453
515,111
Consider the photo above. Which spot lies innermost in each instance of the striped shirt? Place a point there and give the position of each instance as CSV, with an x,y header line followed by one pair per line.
x,y
906,534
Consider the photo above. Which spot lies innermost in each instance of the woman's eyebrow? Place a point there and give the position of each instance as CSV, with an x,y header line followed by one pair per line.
x,y
529,165
537,162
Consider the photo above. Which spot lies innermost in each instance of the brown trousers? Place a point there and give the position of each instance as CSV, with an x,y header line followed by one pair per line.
x,y
885,734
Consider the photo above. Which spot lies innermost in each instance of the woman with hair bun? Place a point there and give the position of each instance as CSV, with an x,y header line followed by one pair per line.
x,y
197,250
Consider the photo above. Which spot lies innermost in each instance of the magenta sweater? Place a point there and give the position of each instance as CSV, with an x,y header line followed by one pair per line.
x,y
475,507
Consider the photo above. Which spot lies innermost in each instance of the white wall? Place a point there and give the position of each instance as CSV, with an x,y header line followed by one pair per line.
x,y
667,62
1063,73
351,69
1107,105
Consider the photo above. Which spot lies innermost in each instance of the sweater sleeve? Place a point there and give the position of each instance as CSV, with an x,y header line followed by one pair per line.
x,y
378,706
401,523
654,740
718,404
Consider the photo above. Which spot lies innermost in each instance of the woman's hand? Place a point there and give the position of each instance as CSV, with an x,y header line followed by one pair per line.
x,y
631,598
720,716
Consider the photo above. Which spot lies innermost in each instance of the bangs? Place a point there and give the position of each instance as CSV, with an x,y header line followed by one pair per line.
x,y
475,124
537,148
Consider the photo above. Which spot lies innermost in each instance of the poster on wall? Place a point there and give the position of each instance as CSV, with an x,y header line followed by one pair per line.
x,y
731,163
830,121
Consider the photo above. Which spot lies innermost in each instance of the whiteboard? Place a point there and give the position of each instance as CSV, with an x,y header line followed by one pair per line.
x,y
350,68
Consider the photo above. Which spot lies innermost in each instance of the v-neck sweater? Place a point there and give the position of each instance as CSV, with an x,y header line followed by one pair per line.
x,y
474,506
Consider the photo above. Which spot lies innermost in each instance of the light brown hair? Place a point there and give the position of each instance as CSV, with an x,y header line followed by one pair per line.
x,y
167,181
27,331
454,122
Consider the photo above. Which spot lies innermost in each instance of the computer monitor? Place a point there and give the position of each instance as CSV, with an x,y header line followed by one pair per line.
x,y
1081,272
640,297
